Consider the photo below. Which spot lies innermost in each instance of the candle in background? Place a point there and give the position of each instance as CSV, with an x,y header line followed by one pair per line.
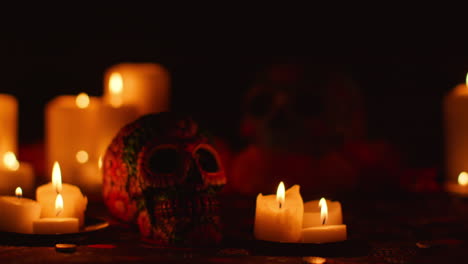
x,y
18,213
456,131
8,124
279,217
114,114
74,201
144,85
58,224
14,173
324,232
460,187
72,135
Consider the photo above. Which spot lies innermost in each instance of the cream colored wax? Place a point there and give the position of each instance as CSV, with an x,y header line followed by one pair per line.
x,y
279,223
18,214
144,85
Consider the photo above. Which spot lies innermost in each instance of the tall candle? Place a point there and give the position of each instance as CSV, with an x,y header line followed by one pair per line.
x,y
72,135
279,217
18,213
144,85
75,202
456,131
8,124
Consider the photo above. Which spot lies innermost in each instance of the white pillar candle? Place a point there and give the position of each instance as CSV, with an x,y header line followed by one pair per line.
x,y
18,213
456,131
323,231
74,201
72,133
312,213
57,224
14,173
8,124
279,217
144,85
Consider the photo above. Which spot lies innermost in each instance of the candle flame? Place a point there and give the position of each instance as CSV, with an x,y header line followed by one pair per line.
x,y
82,100
10,161
280,193
463,178
58,204
466,80
57,177
82,156
18,192
115,89
323,210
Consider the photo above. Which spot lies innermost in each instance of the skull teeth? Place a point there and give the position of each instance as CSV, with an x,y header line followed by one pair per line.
x,y
200,206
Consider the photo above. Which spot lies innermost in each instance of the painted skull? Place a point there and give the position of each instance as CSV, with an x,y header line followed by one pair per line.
x,y
162,173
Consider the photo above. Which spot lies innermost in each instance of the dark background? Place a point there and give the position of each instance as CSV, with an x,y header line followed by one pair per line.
x,y
403,78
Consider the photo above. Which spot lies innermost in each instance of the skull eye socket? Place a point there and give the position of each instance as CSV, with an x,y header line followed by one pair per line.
x,y
164,160
206,160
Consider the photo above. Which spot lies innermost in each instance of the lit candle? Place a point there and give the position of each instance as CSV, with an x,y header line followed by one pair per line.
x,y
72,135
144,85
13,174
312,212
460,187
73,198
279,217
324,232
456,131
58,224
18,213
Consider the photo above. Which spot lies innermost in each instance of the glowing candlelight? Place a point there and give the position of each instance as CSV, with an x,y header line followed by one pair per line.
x,y
82,100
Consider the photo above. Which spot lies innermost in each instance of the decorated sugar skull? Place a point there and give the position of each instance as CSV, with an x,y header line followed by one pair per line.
x,y
162,173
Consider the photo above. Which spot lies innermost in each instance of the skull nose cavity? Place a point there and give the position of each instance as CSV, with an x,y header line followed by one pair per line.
x,y
194,175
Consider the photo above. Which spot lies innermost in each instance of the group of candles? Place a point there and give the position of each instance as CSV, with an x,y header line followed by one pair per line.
x,y
78,128
59,209
284,217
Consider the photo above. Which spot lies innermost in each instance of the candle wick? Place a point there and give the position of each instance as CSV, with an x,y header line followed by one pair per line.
x,y
18,196
323,222
280,205
58,212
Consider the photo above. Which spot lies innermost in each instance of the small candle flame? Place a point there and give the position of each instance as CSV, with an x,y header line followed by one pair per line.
x,y
463,178
18,192
280,193
466,80
323,210
10,161
57,177
82,100
82,156
58,204
115,89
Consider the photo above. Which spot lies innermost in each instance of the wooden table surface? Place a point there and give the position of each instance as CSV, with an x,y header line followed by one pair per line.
x,y
402,228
